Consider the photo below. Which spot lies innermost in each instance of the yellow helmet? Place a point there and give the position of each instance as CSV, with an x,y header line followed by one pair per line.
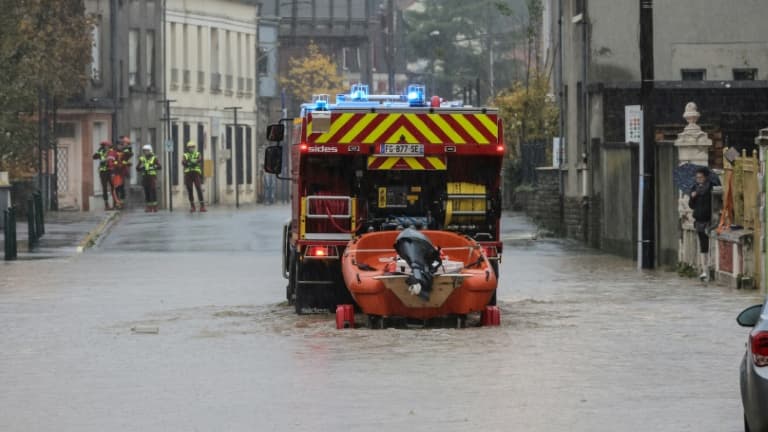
x,y
191,144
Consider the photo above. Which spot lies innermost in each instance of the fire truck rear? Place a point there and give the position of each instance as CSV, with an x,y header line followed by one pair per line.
x,y
382,162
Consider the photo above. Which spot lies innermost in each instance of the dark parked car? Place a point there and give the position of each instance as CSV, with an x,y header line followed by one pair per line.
x,y
754,369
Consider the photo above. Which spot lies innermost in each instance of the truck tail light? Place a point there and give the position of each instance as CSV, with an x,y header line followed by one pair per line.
x,y
500,148
303,147
758,341
490,251
321,252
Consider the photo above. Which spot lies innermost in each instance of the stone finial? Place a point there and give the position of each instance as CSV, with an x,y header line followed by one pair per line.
x,y
693,143
762,137
691,115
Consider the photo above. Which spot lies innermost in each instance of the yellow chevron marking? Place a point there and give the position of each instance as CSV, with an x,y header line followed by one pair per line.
x,y
337,124
492,127
357,128
381,128
418,124
446,128
391,161
436,162
478,137
413,163
401,132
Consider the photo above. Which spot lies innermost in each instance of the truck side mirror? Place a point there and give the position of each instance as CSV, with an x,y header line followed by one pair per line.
x,y
275,132
273,159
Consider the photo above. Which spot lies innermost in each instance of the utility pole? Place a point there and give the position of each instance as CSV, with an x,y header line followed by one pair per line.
x,y
391,45
170,147
237,158
647,147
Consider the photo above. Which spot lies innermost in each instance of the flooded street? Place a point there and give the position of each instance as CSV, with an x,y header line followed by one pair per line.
x,y
586,344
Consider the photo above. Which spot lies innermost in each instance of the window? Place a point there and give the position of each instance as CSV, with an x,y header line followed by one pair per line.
x,y
150,47
201,139
200,68
152,140
215,74
248,54
228,62
65,130
228,145
248,156
174,162
350,59
186,75
263,62
133,57
96,52
744,74
174,47
578,7
693,74
239,154
136,147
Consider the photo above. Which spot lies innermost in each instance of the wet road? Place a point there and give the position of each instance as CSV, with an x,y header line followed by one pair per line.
x,y
586,343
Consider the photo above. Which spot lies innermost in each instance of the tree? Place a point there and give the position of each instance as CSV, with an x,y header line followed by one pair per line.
x,y
44,50
528,112
454,42
312,74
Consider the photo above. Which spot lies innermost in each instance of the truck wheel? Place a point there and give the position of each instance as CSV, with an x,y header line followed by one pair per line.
x,y
299,291
290,289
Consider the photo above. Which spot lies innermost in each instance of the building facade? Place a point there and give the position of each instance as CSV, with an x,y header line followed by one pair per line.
x,y
211,69
712,53
120,97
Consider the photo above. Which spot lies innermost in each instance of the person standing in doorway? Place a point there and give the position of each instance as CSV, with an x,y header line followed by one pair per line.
x,y
148,167
104,175
193,175
701,204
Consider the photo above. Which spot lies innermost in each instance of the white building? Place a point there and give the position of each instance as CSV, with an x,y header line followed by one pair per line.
x,y
210,47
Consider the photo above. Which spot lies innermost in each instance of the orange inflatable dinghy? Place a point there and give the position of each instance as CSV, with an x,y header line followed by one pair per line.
x,y
381,282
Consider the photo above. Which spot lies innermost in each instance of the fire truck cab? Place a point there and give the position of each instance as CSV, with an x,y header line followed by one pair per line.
x,y
381,162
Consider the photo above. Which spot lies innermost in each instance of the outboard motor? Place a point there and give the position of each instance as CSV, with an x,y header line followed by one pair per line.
x,y
423,258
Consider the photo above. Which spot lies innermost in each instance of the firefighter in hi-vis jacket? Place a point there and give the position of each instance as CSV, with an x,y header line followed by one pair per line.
x,y
193,175
148,167
104,175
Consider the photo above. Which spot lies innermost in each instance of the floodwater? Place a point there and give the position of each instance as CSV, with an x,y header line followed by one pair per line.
x,y
586,343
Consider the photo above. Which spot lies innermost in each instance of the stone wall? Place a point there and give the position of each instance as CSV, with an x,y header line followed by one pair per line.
x,y
574,217
542,204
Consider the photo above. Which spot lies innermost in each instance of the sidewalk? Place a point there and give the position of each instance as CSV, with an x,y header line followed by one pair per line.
x,y
66,233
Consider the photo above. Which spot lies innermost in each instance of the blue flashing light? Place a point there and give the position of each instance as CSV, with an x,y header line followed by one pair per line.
x,y
359,93
416,95
321,102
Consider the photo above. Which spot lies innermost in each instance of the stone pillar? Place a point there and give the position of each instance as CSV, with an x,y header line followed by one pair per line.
x,y
762,142
692,147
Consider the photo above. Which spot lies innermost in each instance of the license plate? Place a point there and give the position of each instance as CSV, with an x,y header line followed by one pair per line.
x,y
403,149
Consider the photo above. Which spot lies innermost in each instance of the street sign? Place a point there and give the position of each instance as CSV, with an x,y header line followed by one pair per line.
x,y
633,124
169,145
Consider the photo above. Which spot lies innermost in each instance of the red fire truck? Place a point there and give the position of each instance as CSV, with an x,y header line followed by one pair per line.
x,y
376,163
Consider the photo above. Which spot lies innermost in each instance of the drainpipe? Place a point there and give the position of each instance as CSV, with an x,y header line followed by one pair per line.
x,y
113,63
561,91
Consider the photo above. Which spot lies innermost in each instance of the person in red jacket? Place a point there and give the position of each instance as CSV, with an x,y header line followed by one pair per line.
x,y
116,169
